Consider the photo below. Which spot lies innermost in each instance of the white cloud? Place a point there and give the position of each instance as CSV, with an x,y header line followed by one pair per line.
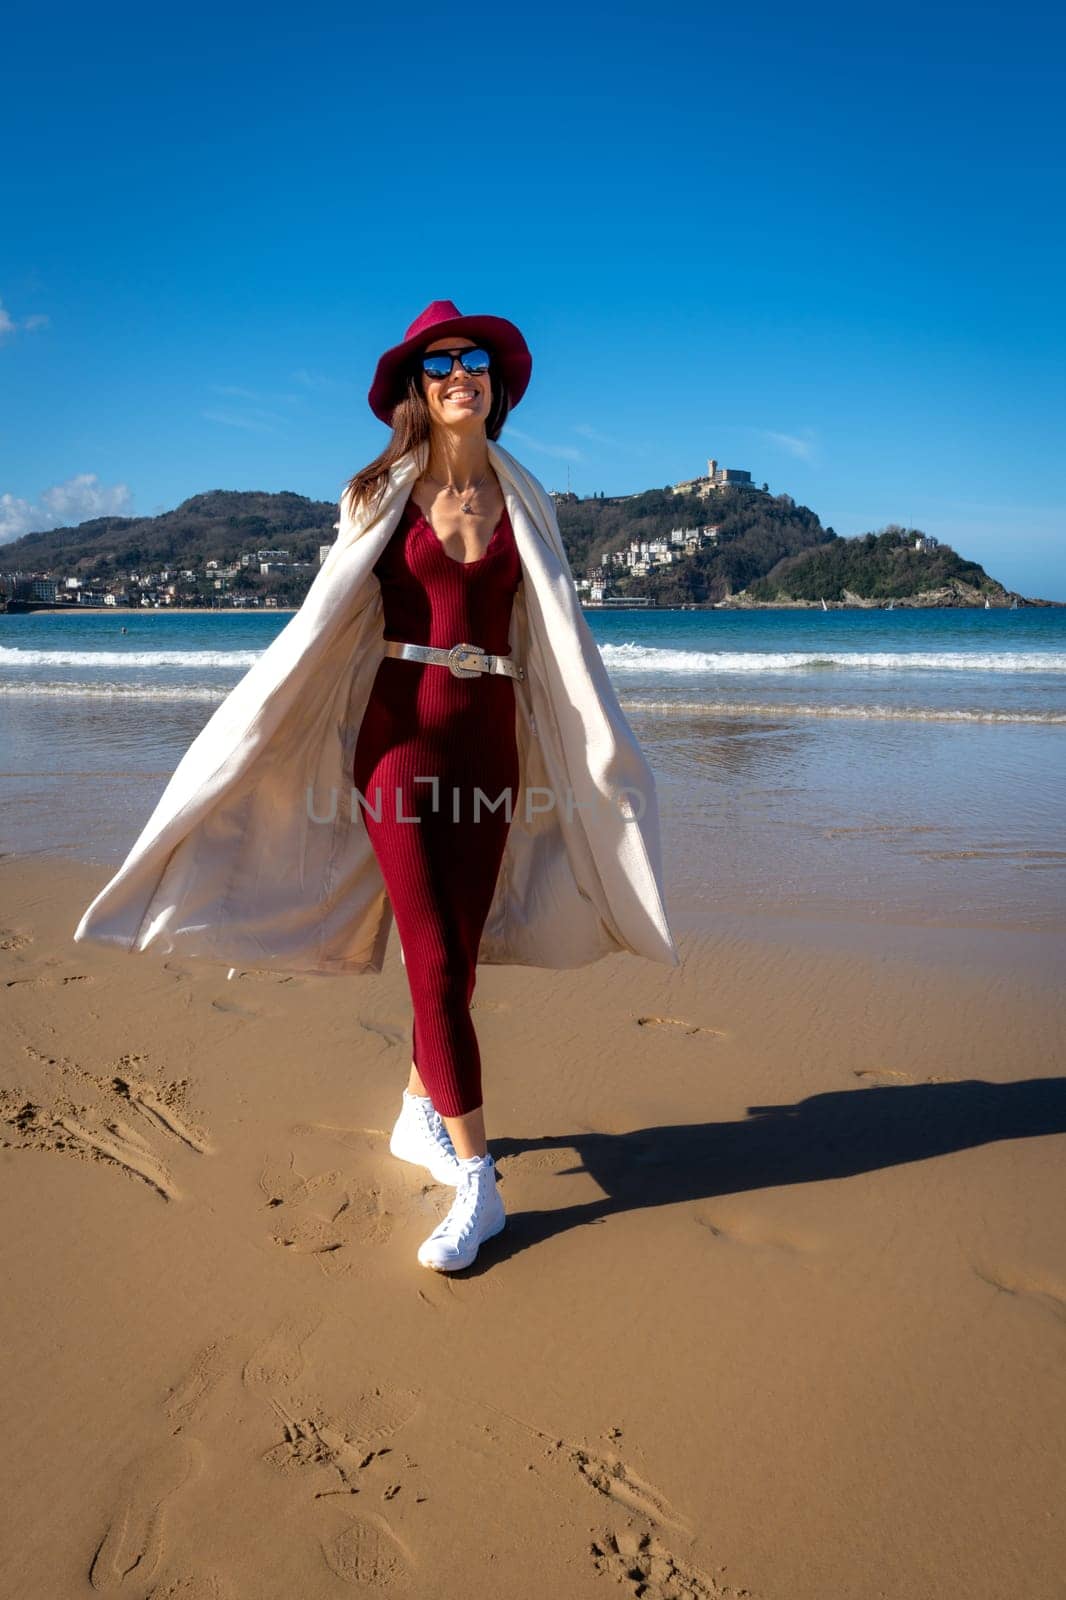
x,y
801,445
234,391
319,380
8,324
566,451
255,421
254,410
633,449
64,505
255,414
16,518
594,436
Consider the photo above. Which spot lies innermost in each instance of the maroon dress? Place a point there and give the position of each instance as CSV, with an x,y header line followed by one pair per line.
x,y
423,723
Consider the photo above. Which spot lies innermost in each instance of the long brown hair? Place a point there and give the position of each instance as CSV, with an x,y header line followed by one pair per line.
x,y
411,427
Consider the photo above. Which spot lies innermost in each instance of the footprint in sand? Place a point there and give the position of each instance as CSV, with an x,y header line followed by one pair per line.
x,y
308,1236
1050,1297
346,1444
205,1587
303,1445
680,1024
48,976
279,1360
644,1564
131,1550
754,1235
609,1476
11,939
281,1183
185,1400
367,1552
380,1413
635,1556
323,1214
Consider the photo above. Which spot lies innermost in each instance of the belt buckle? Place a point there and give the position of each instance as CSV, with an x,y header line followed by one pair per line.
x,y
456,653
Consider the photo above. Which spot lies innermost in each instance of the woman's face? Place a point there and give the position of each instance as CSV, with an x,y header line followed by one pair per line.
x,y
459,400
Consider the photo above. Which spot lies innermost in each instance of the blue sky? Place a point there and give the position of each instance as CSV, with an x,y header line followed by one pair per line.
x,y
819,243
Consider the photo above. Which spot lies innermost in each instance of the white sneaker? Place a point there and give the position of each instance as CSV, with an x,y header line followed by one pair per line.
x,y
477,1213
420,1136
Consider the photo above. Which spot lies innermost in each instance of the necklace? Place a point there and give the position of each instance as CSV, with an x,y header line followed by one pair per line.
x,y
464,494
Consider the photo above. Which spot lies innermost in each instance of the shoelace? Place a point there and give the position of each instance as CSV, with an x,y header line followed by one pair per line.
x,y
437,1131
452,1223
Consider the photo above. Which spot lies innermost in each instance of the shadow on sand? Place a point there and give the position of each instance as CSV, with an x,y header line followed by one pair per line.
x,y
833,1135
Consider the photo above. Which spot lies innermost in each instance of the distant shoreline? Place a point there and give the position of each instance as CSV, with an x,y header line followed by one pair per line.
x,y
151,611
904,604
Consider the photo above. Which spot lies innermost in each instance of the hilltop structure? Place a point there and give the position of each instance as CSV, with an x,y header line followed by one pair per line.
x,y
716,477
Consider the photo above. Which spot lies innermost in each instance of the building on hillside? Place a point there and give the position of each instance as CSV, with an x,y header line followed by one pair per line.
x,y
643,554
598,597
715,478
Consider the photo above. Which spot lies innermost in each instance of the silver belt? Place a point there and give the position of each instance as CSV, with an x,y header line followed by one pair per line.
x,y
462,660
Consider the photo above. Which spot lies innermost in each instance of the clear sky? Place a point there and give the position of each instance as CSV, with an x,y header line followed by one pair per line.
x,y
820,243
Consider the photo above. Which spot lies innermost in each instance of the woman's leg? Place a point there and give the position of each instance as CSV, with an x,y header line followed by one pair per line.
x,y
440,873
467,1133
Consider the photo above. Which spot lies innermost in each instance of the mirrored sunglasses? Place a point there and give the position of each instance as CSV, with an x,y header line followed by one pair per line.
x,y
439,363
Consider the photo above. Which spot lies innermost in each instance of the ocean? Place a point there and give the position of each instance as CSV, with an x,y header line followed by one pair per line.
x,y
902,766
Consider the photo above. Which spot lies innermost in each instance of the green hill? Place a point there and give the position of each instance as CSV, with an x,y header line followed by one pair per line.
x,y
747,547
221,525
218,525
755,532
897,564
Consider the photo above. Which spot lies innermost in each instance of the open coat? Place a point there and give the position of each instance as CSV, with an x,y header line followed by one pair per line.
x,y
256,854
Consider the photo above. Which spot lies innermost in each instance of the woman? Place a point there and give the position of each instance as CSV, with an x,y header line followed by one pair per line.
x,y
252,858
437,755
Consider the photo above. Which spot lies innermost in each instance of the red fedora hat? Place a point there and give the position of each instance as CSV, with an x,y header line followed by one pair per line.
x,y
442,317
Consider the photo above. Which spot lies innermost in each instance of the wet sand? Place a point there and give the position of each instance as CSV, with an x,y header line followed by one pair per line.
x,y
780,1309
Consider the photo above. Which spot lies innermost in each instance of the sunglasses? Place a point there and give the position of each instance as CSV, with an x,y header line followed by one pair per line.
x,y
439,363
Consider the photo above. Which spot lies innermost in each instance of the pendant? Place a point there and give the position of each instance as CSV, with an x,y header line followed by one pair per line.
x,y
469,510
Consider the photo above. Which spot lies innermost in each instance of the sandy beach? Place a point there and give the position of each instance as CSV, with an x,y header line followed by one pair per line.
x,y
779,1312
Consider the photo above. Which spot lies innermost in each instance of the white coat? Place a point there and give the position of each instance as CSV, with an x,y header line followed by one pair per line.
x,y
256,855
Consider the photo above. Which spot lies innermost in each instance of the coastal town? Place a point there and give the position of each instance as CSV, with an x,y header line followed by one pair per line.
x,y
728,543
219,584
212,588
642,556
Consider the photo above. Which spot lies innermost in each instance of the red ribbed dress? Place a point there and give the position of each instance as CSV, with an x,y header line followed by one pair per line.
x,y
422,722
